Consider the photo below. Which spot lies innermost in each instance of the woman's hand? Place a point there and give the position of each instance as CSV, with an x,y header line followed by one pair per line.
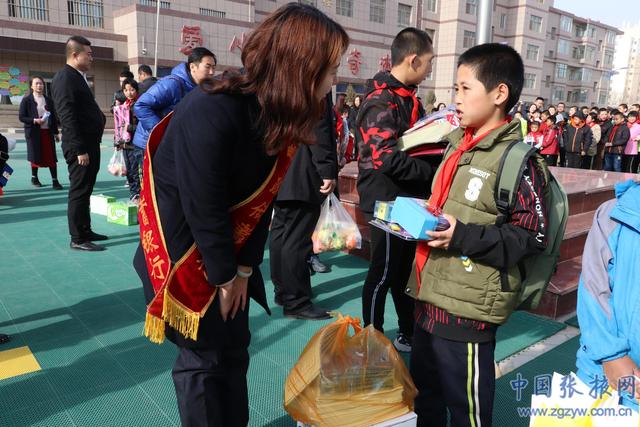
x,y
233,296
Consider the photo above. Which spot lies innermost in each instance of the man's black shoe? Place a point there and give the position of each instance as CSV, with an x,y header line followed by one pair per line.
x,y
95,237
315,265
56,185
310,313
87,246
4,338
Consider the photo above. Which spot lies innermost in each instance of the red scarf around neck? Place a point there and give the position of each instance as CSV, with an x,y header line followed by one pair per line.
x,y
441,188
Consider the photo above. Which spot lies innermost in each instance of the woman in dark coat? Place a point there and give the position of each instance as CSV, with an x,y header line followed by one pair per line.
x,y
208,182
41,131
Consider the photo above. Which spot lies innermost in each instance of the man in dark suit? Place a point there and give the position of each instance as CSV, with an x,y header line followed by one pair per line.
x,y
310,178
82,126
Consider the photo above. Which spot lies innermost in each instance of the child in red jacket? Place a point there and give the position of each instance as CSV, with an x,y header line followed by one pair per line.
x,y
550,147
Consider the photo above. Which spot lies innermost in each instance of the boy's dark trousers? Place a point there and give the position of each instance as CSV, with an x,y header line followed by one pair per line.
x,y
134,158
453,375
390,266
574,160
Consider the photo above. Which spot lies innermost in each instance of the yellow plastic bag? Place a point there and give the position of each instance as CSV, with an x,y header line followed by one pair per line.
x,y
348,380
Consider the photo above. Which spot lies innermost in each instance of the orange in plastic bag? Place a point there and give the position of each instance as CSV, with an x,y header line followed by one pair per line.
x,y
348,380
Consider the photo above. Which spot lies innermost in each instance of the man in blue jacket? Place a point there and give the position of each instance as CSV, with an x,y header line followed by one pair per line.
x,y
161,98
608,297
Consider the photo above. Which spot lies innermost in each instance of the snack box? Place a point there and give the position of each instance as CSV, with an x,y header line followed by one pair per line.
x,y
382,210
122,213
414,216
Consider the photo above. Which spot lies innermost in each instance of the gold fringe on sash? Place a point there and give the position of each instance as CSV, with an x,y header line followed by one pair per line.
x,y
154,329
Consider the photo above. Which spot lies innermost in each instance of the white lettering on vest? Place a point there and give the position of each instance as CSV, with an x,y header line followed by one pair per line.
x,y
473,189
477,172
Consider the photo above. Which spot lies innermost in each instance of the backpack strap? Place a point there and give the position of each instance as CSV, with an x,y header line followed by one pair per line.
x,y
512,166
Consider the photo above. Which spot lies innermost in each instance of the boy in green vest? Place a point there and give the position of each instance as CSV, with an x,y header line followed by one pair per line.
x,y
467,278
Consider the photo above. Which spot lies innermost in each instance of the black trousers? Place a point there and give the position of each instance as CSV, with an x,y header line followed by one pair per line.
x,y
574,160
551,159
586,163
289,248
81,182
630,163
211,383
453,375
389,269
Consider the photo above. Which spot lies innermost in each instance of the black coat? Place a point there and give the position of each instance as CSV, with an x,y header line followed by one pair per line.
x,y
81,119
312,164
28,112
210,158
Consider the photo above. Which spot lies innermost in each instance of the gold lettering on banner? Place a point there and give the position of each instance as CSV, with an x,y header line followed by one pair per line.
x,y
200,263
156,265
147,242
242,232
143,211
257,211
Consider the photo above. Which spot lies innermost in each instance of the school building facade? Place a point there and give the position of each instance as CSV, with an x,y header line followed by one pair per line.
x,y
567,58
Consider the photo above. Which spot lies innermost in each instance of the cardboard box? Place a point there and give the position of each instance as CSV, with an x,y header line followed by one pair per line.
x,y
408,420
122,213
99,203
412,215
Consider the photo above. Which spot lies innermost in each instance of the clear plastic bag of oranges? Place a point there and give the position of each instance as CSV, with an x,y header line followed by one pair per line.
x,y
335,230
348,380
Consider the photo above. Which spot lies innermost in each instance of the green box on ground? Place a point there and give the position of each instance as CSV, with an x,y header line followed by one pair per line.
x,y
99,203
122,213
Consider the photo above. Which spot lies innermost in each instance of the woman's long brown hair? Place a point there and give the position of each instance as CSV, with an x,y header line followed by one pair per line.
x,y
285,59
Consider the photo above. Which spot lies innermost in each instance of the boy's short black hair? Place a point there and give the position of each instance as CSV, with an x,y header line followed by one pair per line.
x,y
574,106
495,63
603,109
540,98
634,114
583,107
410,41
196,55
561,103
593,116
623,105
132,83
145,69
546,112
617,113
552,106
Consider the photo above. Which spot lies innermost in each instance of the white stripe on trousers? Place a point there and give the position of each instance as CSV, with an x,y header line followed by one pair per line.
x,y
475,384
384,276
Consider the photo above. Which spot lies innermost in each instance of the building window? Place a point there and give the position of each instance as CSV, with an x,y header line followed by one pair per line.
x,y
376,11
535,23
503,21
344,7
581,30
582,95
532,52
154,3
529,81
29,9
431,6
472,7
611,37
578,52
86,13
590,53
608,58
211,12
404,15
564,47
561,71
309,2
602,98
566,24
469,39
592,32
558,94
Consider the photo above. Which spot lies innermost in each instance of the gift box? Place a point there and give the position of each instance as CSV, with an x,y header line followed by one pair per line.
x,y
99,203
122,213
382,210
414,217
5,175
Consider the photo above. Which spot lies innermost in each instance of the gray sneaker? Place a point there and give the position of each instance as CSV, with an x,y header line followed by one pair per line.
x,y
402,343
316,266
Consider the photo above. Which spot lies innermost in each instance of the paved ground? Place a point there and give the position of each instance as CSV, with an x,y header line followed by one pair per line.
x,y
81,317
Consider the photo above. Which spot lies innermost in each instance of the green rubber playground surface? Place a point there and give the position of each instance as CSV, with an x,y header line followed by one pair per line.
x,y
81,315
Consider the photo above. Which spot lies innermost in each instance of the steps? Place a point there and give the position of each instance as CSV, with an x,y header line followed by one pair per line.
x,y
586,190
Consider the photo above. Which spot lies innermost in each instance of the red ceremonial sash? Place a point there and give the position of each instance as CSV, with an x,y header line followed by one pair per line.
x,y
182,292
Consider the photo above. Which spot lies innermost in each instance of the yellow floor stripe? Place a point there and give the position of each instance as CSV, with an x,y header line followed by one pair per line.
x,y
17,361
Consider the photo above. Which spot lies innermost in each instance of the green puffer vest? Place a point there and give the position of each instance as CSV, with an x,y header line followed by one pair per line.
x,y
455,283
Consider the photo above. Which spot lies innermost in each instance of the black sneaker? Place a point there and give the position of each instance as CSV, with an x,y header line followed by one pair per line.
x,y
4,338
403,343
310,313
36,182
316,266
56,185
